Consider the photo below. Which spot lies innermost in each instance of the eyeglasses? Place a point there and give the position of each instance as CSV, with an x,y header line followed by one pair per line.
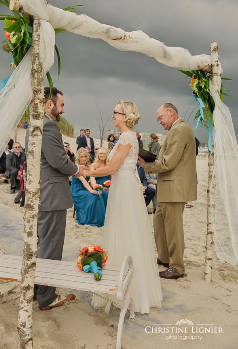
x,y
116,112
17,147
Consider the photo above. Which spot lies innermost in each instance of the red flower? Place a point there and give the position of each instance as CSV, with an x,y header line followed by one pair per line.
x,y
98,248
8,34
80,266
83,250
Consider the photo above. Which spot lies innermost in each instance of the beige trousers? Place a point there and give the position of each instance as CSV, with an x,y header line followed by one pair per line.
x,y
169,235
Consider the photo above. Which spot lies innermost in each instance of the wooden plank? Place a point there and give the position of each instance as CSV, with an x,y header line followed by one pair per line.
x,y
80,277
46,263
82,286
61,274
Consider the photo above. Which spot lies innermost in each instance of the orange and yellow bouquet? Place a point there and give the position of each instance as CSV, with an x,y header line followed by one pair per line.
x,y
92,259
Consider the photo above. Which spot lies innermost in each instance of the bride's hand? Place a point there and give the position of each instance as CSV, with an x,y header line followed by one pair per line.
x,y
87,173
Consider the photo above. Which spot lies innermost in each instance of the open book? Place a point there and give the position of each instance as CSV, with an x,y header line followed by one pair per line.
x,y
146,155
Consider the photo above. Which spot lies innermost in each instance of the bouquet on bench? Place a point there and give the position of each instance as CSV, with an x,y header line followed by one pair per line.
x,y
92,259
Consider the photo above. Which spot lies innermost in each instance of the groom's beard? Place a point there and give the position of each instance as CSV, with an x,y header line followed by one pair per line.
x,y
56,113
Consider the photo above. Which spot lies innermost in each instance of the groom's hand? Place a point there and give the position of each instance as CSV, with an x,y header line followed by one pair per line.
x,y
141,161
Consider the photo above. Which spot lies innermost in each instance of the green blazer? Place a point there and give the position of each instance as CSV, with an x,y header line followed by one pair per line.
x,y
176,165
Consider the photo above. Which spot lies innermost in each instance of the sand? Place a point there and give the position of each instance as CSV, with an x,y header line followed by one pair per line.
x,y
204,307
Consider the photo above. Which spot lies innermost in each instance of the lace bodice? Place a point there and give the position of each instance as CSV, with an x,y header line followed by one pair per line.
x,y
128,137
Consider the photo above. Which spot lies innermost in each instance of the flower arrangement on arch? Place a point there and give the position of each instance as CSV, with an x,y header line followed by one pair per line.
x,y
92,259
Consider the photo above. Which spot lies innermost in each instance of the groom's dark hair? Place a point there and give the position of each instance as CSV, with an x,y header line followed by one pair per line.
x,y
51,93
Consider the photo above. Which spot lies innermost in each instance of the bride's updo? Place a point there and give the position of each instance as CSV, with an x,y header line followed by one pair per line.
x,y
131,110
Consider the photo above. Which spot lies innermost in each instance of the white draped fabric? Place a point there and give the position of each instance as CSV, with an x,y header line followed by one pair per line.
x,y
14,99
16,96
225,188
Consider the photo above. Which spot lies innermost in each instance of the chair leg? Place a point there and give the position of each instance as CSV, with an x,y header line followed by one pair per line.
x,y
132,312
120,327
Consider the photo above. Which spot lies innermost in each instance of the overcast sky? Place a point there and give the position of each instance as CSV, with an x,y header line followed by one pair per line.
x,y
95,74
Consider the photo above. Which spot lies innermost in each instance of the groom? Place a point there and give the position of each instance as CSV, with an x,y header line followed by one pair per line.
x,y
55,196
176,184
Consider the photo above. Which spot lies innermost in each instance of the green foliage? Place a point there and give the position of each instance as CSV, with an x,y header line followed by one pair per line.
x,y
4,2
200,87
58,59
26,116
50,81
73,8
20,27
19,40
65,127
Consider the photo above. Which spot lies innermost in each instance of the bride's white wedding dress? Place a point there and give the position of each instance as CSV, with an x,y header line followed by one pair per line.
x,y
127,231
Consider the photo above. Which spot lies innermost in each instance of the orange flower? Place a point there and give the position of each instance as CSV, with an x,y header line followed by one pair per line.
x,y
7,35
98,248
83,250
80,266
192,80
107,183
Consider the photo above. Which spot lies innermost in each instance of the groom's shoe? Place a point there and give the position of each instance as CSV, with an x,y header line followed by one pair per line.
x,y
170,273
58,302
166,265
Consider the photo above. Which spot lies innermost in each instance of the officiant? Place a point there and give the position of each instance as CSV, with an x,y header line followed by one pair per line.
x,y
176,184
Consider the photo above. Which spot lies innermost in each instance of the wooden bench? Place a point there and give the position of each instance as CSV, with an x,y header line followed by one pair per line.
x,y
115,283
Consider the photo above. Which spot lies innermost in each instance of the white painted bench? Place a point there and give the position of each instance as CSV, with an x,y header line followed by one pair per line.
x,y
67,275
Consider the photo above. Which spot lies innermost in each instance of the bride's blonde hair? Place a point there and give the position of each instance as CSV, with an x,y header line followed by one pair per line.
x,y
132,113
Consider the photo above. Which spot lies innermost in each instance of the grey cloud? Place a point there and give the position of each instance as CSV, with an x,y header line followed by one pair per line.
x,y
93,71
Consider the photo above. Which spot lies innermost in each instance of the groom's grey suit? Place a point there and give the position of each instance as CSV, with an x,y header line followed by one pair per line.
x,y
55,198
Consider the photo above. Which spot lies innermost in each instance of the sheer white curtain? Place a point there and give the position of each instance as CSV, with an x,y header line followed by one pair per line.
x,y
225,183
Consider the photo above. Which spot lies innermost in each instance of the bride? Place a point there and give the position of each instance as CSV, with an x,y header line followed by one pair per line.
x,y
127,229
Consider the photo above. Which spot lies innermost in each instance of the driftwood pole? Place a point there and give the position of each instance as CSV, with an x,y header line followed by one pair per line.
x,y
32,194
216,72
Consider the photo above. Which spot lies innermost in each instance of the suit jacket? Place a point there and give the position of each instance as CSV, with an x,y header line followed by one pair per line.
x,y
55,168
82,143
176,165
11,162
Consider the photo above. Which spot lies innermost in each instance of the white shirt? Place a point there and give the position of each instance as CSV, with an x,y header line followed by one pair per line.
x,y
175,121
88,142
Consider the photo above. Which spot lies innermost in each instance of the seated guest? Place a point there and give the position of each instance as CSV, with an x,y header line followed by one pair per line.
x,y
10,144
14,161
3,160
89,207
69,152
111,140
148,192
152,183
101,160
